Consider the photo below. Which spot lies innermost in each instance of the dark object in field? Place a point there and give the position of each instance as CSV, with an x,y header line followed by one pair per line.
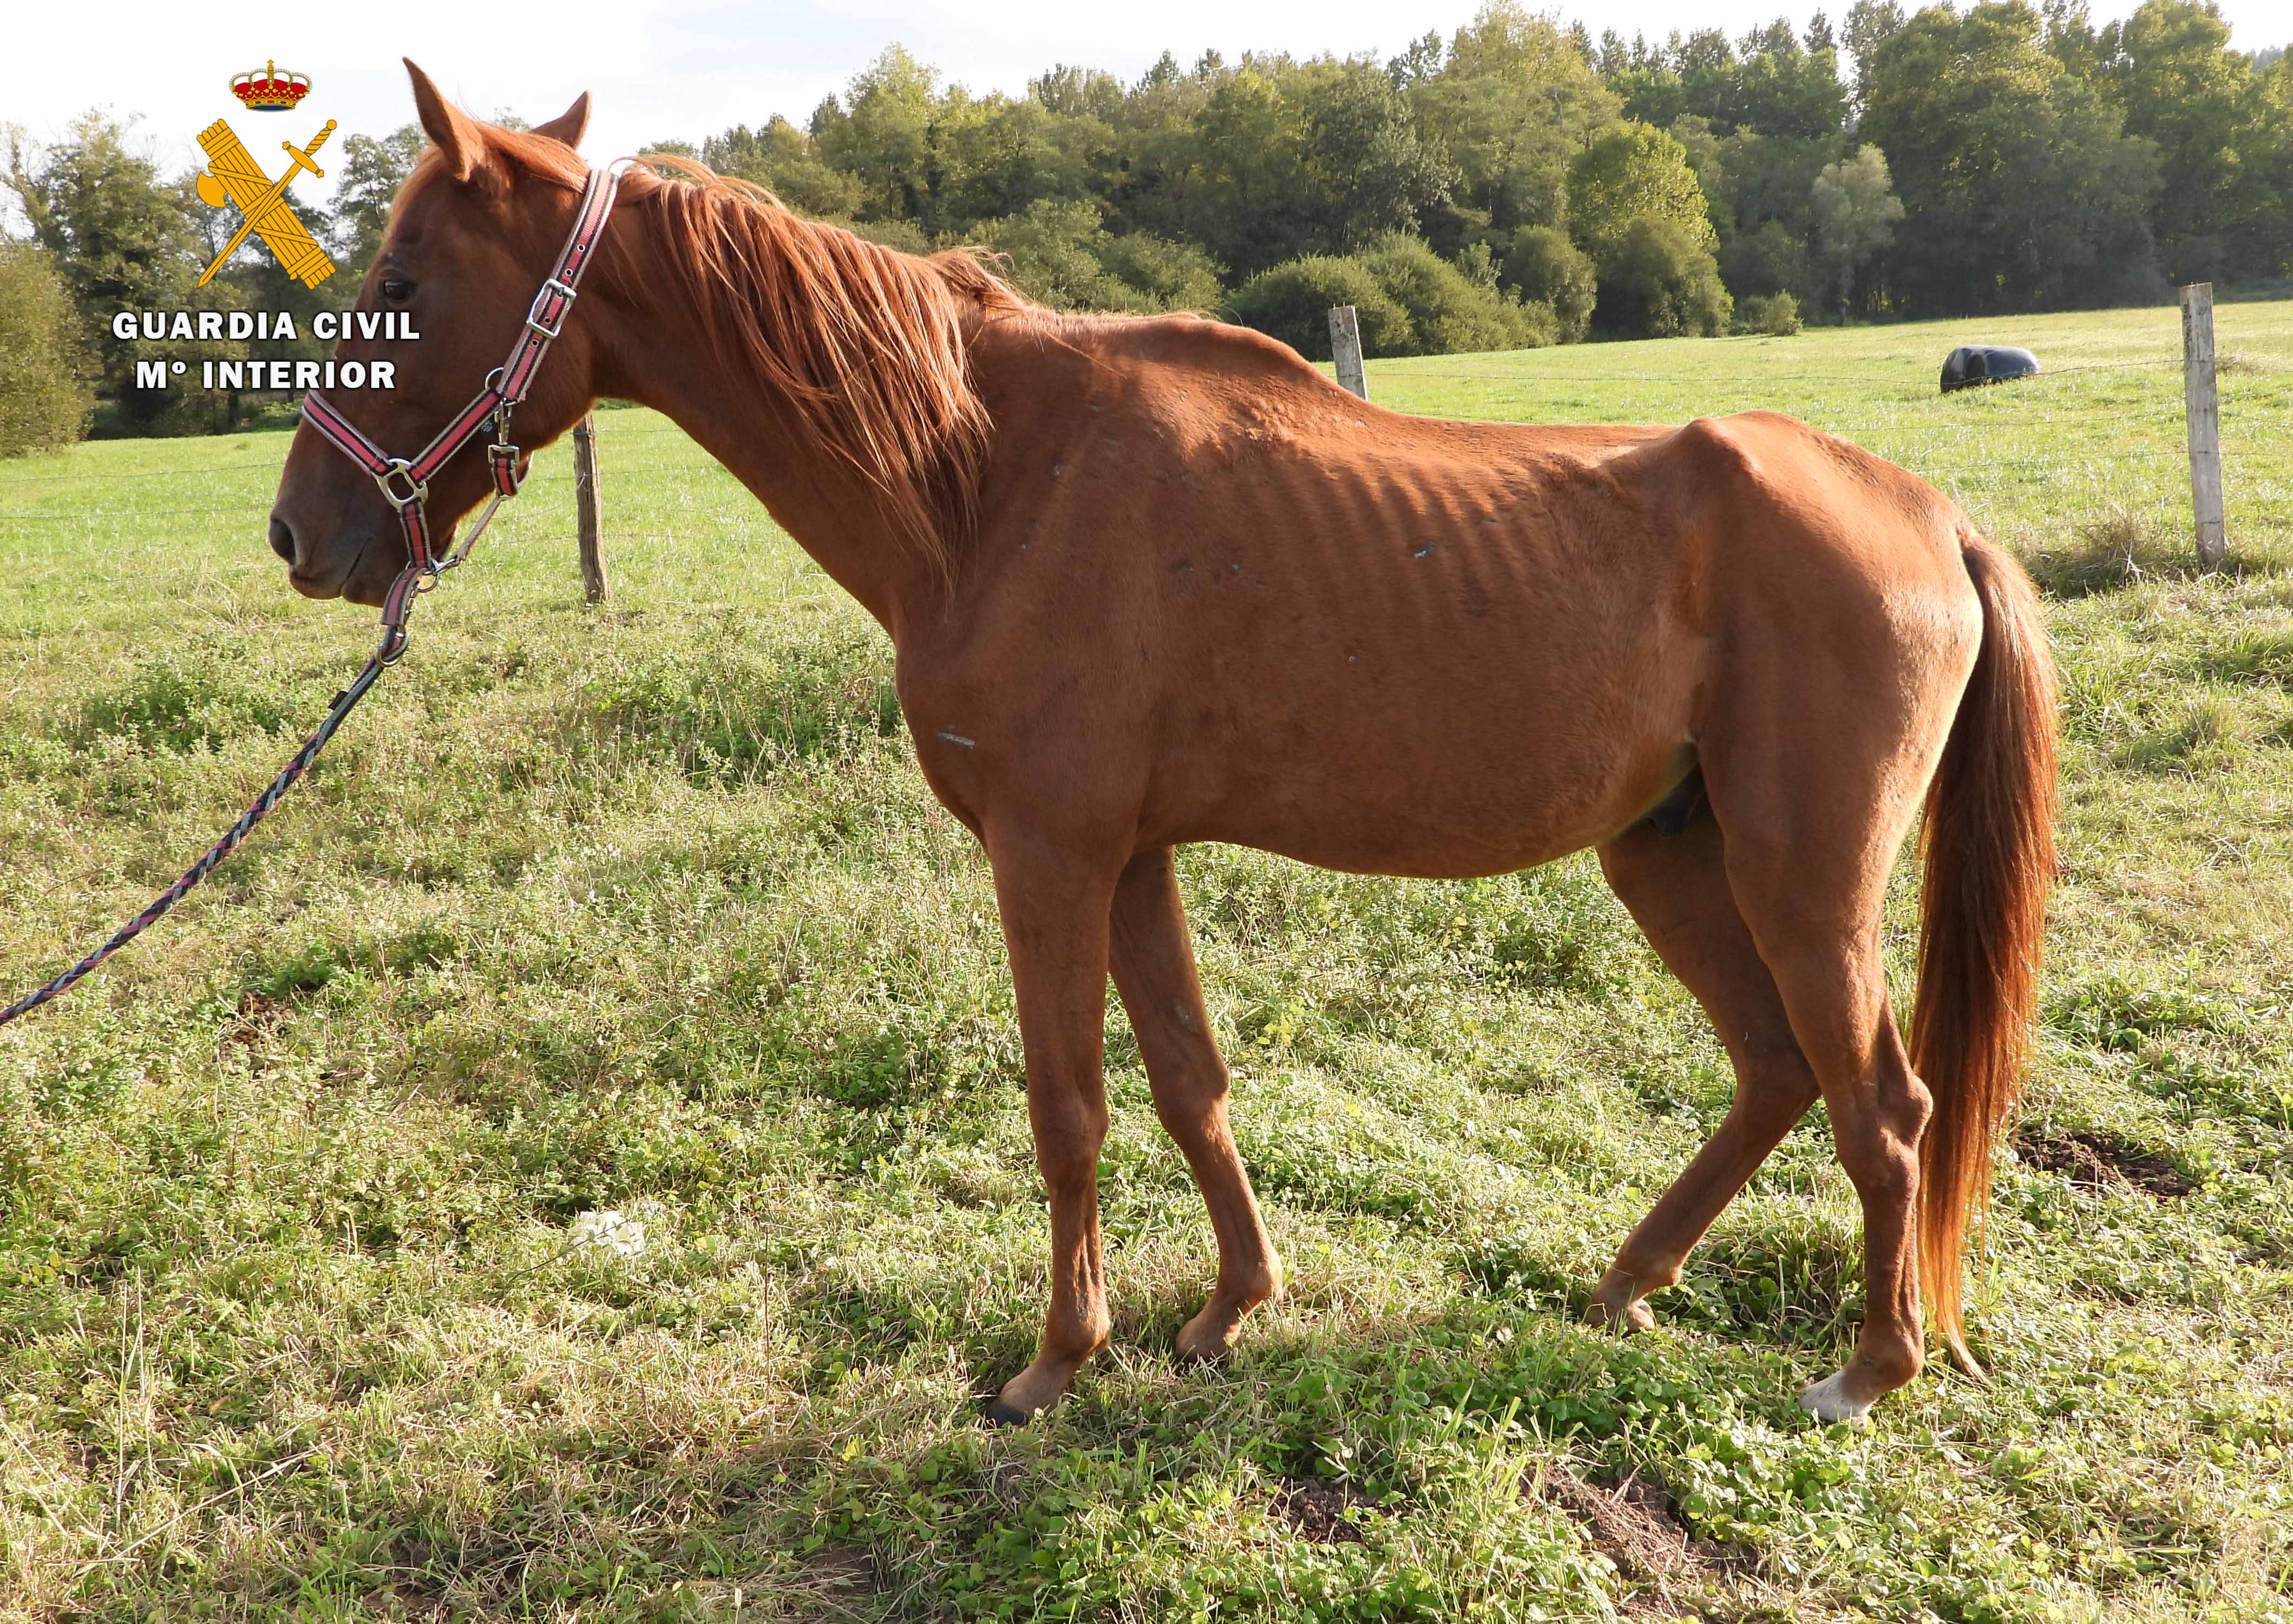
x,y
1972,365
2104,1161
1155,579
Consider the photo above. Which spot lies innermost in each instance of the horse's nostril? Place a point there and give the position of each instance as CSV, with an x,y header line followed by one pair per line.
x,y
282,539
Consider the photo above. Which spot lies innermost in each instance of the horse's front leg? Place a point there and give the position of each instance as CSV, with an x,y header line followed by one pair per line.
x,y
1055,906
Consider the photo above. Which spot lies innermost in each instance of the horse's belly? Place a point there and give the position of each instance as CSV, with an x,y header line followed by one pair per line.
x,y
1486,788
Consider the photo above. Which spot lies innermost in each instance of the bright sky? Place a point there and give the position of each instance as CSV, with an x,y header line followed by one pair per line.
x,y
684,69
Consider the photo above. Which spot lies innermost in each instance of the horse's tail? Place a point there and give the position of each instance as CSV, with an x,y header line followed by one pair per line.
x,y
1989,850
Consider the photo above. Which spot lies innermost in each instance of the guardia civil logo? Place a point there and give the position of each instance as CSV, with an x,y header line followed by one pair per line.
x,y
233,175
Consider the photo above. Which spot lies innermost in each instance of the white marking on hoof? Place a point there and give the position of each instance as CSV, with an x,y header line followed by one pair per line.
x,y
1827,1400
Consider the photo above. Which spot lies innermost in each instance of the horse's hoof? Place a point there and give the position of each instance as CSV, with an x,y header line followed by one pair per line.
x,y
1209,1342
1635,1316
1829,1401
999,1414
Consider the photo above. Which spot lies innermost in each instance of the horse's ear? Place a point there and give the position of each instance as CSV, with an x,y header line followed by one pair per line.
x,y
568,125
453,131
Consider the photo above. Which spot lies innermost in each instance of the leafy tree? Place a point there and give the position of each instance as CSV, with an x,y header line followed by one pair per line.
x,y
1080,93
44,395
1784,90
1546,268
1775,314
1658,280
1249,203
786,162
2183,89
122,238
371,170
1635,171
1775,86
1168,275
1856,212
1870,24
1372,172
996,157
1419,62
2260,226
1516,100
2021,189
1771,260
880,135
1050,255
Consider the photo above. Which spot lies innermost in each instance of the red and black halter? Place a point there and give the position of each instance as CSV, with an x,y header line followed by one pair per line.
x,y
405,482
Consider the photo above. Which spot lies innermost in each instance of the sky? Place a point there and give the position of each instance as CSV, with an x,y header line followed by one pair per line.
x,y
661,69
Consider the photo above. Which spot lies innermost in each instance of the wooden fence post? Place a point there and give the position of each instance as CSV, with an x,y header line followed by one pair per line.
x,y
2204,406
1345,347
594,585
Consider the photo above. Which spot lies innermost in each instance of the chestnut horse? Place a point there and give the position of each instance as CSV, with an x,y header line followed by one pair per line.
x,y
1152,580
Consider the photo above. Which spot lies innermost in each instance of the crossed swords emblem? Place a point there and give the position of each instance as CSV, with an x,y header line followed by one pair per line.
x,y
263,209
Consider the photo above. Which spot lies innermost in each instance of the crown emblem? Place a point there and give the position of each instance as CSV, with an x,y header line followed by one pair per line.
x,y
268,91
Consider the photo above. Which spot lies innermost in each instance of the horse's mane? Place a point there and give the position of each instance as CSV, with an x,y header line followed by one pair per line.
x,y
865,343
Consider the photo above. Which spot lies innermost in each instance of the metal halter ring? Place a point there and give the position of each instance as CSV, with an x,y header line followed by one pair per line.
x,y
417,490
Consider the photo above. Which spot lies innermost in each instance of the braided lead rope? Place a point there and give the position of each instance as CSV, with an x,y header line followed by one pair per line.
x,y
392,646
545,320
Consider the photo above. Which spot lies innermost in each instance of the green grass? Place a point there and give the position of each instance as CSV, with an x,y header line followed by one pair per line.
x,y
649,910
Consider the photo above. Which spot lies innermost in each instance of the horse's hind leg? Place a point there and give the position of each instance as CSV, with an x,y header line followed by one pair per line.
x,y
1813,823
1154,965
1676,886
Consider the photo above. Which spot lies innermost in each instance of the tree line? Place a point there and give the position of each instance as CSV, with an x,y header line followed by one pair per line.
x,y
1517,182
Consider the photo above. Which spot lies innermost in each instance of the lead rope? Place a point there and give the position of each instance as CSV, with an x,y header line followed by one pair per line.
x,y
387,655
399,603
406,486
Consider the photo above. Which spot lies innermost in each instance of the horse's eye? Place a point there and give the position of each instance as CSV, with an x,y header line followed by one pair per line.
x,y
398,292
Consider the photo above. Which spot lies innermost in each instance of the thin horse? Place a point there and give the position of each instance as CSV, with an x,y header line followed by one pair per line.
x,y
1155,579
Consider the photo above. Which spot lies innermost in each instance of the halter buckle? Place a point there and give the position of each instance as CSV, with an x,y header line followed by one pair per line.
x,y
533,321
417,490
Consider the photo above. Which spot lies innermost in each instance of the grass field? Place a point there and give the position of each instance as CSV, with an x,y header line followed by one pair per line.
x,y
648,910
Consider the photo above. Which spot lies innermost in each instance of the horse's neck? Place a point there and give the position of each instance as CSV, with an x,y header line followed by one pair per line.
x,y
656,350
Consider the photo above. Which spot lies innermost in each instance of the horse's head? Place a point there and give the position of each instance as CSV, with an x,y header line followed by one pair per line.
x,y
474,231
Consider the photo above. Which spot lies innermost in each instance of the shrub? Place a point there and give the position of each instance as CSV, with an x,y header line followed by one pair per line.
x,y
1291,301
1170,275
1059,254
1659,281
1449,312
44,395
1775,314
1544,267
1048,255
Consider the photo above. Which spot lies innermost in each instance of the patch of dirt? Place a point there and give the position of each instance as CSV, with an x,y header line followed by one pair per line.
x,y
1636,1526
2103,1161
1315,1508
259,1016
840,1578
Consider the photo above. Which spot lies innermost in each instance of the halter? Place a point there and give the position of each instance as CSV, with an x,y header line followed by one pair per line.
x,y
405,482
